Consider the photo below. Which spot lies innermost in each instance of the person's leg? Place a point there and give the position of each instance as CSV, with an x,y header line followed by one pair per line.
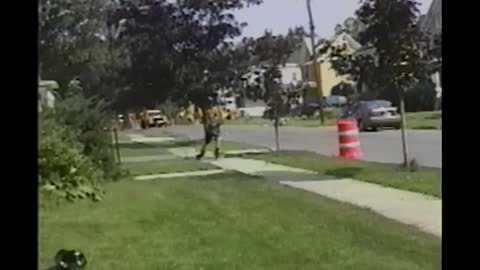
x,y
208,139
217,146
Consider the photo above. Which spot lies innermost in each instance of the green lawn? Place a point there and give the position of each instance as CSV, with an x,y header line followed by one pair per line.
x,y
123,137
140,149
229,222
151,149
224,145
166,166
427,181
424,120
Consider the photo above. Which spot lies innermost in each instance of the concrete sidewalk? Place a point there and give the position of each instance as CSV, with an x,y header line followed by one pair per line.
x,y
191,152
411,208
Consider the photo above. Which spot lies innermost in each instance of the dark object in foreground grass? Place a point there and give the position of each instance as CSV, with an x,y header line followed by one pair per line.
x,y
231,221
69,260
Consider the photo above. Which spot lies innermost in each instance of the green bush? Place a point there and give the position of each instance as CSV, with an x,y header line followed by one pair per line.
x,y
438,106
63,170
332,113
343,89
90,121
422,97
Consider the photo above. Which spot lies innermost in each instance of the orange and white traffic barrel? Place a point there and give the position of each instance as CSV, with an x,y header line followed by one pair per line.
x,y
348,138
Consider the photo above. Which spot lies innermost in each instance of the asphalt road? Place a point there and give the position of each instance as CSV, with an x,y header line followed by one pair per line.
x,y
383,146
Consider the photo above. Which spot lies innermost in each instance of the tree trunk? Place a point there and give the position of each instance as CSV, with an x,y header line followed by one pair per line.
x,y
275,111
316,73
403,127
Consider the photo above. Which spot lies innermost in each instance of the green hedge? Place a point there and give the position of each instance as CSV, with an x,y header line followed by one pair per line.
x,y
63,170
75,149
90,120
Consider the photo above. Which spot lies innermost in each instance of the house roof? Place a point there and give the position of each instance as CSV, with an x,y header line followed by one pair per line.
x,y
348,39
432,22
337,40
308,43
298,56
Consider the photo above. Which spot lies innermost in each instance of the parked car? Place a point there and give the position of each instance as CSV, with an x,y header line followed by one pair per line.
x,y
336,101
153,118
373,115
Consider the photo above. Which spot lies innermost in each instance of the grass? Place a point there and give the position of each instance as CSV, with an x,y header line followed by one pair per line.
x,y
166,166
150,149
123,137
140,149
224,145
229,222
427,181
424,120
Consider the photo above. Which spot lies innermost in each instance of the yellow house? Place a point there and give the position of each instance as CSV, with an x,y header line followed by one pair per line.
x,y
327,75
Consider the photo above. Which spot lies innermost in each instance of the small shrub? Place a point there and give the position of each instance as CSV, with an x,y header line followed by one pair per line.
x,y
438,105
331,113
413,165
421,98
87,118
63,171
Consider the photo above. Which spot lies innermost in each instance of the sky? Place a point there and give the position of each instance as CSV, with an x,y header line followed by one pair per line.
x,y
279,15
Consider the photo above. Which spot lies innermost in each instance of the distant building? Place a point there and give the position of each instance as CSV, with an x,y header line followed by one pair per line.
x,y
328,77
292,71
46,98
432,23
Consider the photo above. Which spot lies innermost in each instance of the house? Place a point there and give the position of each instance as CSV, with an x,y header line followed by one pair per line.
x,y
292,70
46,98
328,77
432,23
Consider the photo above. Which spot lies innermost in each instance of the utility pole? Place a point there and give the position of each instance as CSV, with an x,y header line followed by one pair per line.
x,y
314,61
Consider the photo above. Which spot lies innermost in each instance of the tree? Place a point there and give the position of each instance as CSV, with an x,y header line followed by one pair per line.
x,y
343,89
213,61
271,52
70,41
393,57
147,32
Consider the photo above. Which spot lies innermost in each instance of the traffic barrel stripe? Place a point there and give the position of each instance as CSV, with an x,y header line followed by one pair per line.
x,y
349,141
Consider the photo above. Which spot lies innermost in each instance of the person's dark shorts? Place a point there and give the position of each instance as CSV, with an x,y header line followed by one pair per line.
x,y
210,136
213,132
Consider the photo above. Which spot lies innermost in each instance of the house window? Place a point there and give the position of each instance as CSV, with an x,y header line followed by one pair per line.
x,y
294,76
